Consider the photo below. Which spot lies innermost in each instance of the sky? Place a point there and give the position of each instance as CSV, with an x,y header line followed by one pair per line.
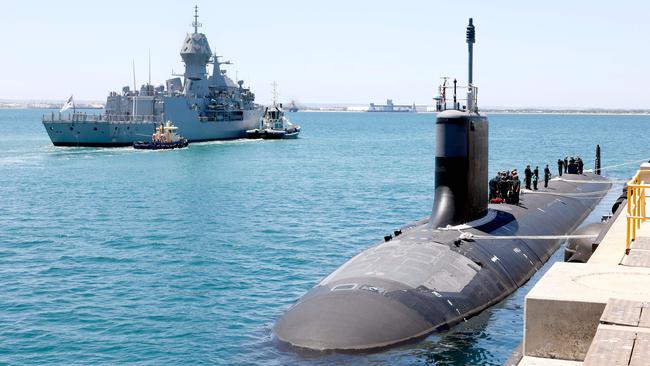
x,y
552,53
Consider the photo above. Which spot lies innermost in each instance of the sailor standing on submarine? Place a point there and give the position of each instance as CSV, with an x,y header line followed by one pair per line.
x,y
580,164
516,187
547,176
566,164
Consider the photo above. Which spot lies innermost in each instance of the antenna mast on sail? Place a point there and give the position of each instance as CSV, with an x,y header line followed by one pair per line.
x,y
471,90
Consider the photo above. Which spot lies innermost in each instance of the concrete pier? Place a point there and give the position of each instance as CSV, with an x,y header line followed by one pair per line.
x,y
596,313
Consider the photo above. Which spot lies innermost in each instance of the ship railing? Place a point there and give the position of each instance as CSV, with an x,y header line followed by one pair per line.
x,y
636,204
458,97
112,118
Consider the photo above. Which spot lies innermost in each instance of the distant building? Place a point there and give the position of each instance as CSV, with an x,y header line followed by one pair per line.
x,y
390,107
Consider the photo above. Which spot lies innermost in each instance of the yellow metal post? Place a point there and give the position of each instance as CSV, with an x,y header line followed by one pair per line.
x,y
639,198
643,205
628,236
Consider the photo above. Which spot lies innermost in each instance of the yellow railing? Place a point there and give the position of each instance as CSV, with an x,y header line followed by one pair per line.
x,y
635,208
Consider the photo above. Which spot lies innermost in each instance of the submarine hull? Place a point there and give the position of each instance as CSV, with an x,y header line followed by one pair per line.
x,y
428,278
433,275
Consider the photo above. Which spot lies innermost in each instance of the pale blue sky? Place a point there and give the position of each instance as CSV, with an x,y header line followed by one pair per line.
x,y
553,53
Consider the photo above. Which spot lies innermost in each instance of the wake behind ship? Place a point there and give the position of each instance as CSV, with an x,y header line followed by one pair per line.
x,y
204,107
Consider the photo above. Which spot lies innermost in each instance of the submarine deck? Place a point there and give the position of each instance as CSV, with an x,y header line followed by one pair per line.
x,y
595,313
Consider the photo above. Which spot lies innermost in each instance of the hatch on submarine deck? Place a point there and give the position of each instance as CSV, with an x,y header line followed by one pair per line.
x,y
431,276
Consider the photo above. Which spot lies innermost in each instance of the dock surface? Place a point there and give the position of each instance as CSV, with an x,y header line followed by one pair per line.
x,y
596,313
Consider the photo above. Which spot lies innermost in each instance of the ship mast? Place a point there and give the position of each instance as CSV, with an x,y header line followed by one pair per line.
x,y
149,91
275,93
196,23
135,105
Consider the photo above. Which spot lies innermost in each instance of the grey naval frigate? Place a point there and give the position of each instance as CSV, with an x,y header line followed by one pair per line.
x,y
204,107
439,271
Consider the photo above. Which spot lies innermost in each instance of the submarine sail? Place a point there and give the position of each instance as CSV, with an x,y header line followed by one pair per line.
x,y
439,271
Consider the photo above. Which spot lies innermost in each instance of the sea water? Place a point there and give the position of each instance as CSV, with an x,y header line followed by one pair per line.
x,y
117,256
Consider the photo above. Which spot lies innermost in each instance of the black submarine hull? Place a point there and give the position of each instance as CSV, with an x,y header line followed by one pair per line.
x,y
442,270
428,279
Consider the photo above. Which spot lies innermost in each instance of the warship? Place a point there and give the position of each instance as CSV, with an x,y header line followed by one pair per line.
x,y
293,107
439,271
204,107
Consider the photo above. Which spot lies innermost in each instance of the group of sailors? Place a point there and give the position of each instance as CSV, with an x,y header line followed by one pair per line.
x,y
570,165
506,186
532,176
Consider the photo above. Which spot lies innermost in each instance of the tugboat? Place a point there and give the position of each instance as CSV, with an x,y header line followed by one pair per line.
x,y
163,138
274,125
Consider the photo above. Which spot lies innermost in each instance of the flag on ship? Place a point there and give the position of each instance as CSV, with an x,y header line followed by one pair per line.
x,y
69,104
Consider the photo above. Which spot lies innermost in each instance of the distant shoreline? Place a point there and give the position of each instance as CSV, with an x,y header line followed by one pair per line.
x,y
527,112
347,109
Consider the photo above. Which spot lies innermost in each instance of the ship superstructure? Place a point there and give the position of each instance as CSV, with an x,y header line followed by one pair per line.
x,y
203,106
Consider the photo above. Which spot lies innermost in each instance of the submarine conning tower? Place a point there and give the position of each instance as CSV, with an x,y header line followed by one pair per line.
x,y
461,172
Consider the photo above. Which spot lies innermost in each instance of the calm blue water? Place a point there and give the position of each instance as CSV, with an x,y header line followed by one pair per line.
x,y
187,257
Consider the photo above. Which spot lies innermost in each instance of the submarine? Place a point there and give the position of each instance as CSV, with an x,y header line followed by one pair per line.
x,y
439,271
